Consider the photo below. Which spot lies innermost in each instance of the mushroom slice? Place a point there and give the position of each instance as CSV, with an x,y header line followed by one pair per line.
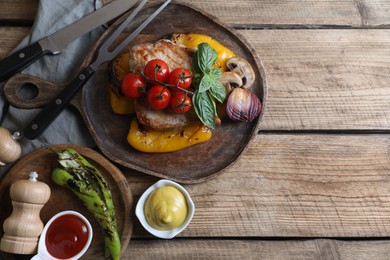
x,y
230,80
243,69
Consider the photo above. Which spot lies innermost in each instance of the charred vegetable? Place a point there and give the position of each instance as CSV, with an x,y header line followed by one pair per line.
x,y
88,184
119,68
146,139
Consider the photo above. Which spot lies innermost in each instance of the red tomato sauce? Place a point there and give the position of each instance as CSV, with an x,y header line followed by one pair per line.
x,y
66,236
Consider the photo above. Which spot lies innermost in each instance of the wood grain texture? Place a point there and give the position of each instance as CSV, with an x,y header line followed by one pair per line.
x,y
10,38
294,186
318,79
291,185
18,10
325,79
45,91
264,13
307,13
318,249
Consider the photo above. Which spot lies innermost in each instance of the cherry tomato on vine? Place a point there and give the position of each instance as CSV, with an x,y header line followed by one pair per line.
x,y
158,97
133,85
156,69
181,103
180,77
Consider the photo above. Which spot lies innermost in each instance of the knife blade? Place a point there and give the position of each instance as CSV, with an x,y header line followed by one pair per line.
x,y
56,42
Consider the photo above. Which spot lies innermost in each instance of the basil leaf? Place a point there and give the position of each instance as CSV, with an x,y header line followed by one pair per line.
x,y
204,108
205,57
215,73
197,78
206,83
208,88
218,91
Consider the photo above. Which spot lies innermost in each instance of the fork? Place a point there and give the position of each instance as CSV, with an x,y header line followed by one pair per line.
x,y
103,54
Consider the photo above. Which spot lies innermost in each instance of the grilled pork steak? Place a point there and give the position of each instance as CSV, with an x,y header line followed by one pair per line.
x,y
176,56
162,119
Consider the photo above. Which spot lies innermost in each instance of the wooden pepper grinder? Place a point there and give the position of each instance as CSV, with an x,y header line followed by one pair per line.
x,y
9,148
23,227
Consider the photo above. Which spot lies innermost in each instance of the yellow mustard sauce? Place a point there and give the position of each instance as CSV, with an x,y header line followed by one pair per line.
x,y
166,208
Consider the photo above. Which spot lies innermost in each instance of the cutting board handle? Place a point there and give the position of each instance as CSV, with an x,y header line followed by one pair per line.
x,y
27,91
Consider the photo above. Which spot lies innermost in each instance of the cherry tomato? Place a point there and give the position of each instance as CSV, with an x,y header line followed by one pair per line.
x,y
156,69
133,85
181,103
180,77
158,97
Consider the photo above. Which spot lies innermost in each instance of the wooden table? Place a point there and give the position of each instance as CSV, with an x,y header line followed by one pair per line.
x,y
315,183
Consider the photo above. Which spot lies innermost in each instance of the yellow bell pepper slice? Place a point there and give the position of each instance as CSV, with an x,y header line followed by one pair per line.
x,y
148,140
120,104
192,40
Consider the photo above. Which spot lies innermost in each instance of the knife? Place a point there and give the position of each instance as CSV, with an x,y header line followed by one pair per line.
x,y
57,41
50,112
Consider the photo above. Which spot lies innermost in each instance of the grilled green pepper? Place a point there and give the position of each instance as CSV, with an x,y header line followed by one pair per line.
x,y
87,183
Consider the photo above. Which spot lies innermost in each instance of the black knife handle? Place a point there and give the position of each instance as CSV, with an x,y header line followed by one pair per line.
x,y
19,60
55,107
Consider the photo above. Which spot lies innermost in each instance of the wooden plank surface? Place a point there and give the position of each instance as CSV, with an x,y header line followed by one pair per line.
x,y
266,13
295,186
307,13
318,249
290,185
325,79
17,10
318,79
10,38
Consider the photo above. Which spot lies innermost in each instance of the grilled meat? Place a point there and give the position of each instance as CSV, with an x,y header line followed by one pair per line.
x,y
162,119
176,56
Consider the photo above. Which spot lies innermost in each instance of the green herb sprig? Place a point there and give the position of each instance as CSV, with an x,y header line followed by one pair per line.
x,y
207,87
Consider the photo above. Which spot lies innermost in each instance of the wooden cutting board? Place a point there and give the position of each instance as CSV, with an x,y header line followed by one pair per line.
x,y
43,161
194,164
191,165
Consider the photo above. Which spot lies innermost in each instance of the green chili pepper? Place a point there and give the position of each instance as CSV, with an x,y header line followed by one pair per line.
x,y
88,184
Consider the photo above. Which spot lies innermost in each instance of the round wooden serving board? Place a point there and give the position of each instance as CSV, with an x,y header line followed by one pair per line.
x,y
43,161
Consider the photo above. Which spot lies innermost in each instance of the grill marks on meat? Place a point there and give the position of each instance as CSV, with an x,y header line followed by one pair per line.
x,y
162,119
176,56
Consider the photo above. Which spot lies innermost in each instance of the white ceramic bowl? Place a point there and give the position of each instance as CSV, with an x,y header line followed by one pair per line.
x,y
43,253
167,234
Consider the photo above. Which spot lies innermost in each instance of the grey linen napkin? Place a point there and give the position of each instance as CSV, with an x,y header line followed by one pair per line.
x,y
69,127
